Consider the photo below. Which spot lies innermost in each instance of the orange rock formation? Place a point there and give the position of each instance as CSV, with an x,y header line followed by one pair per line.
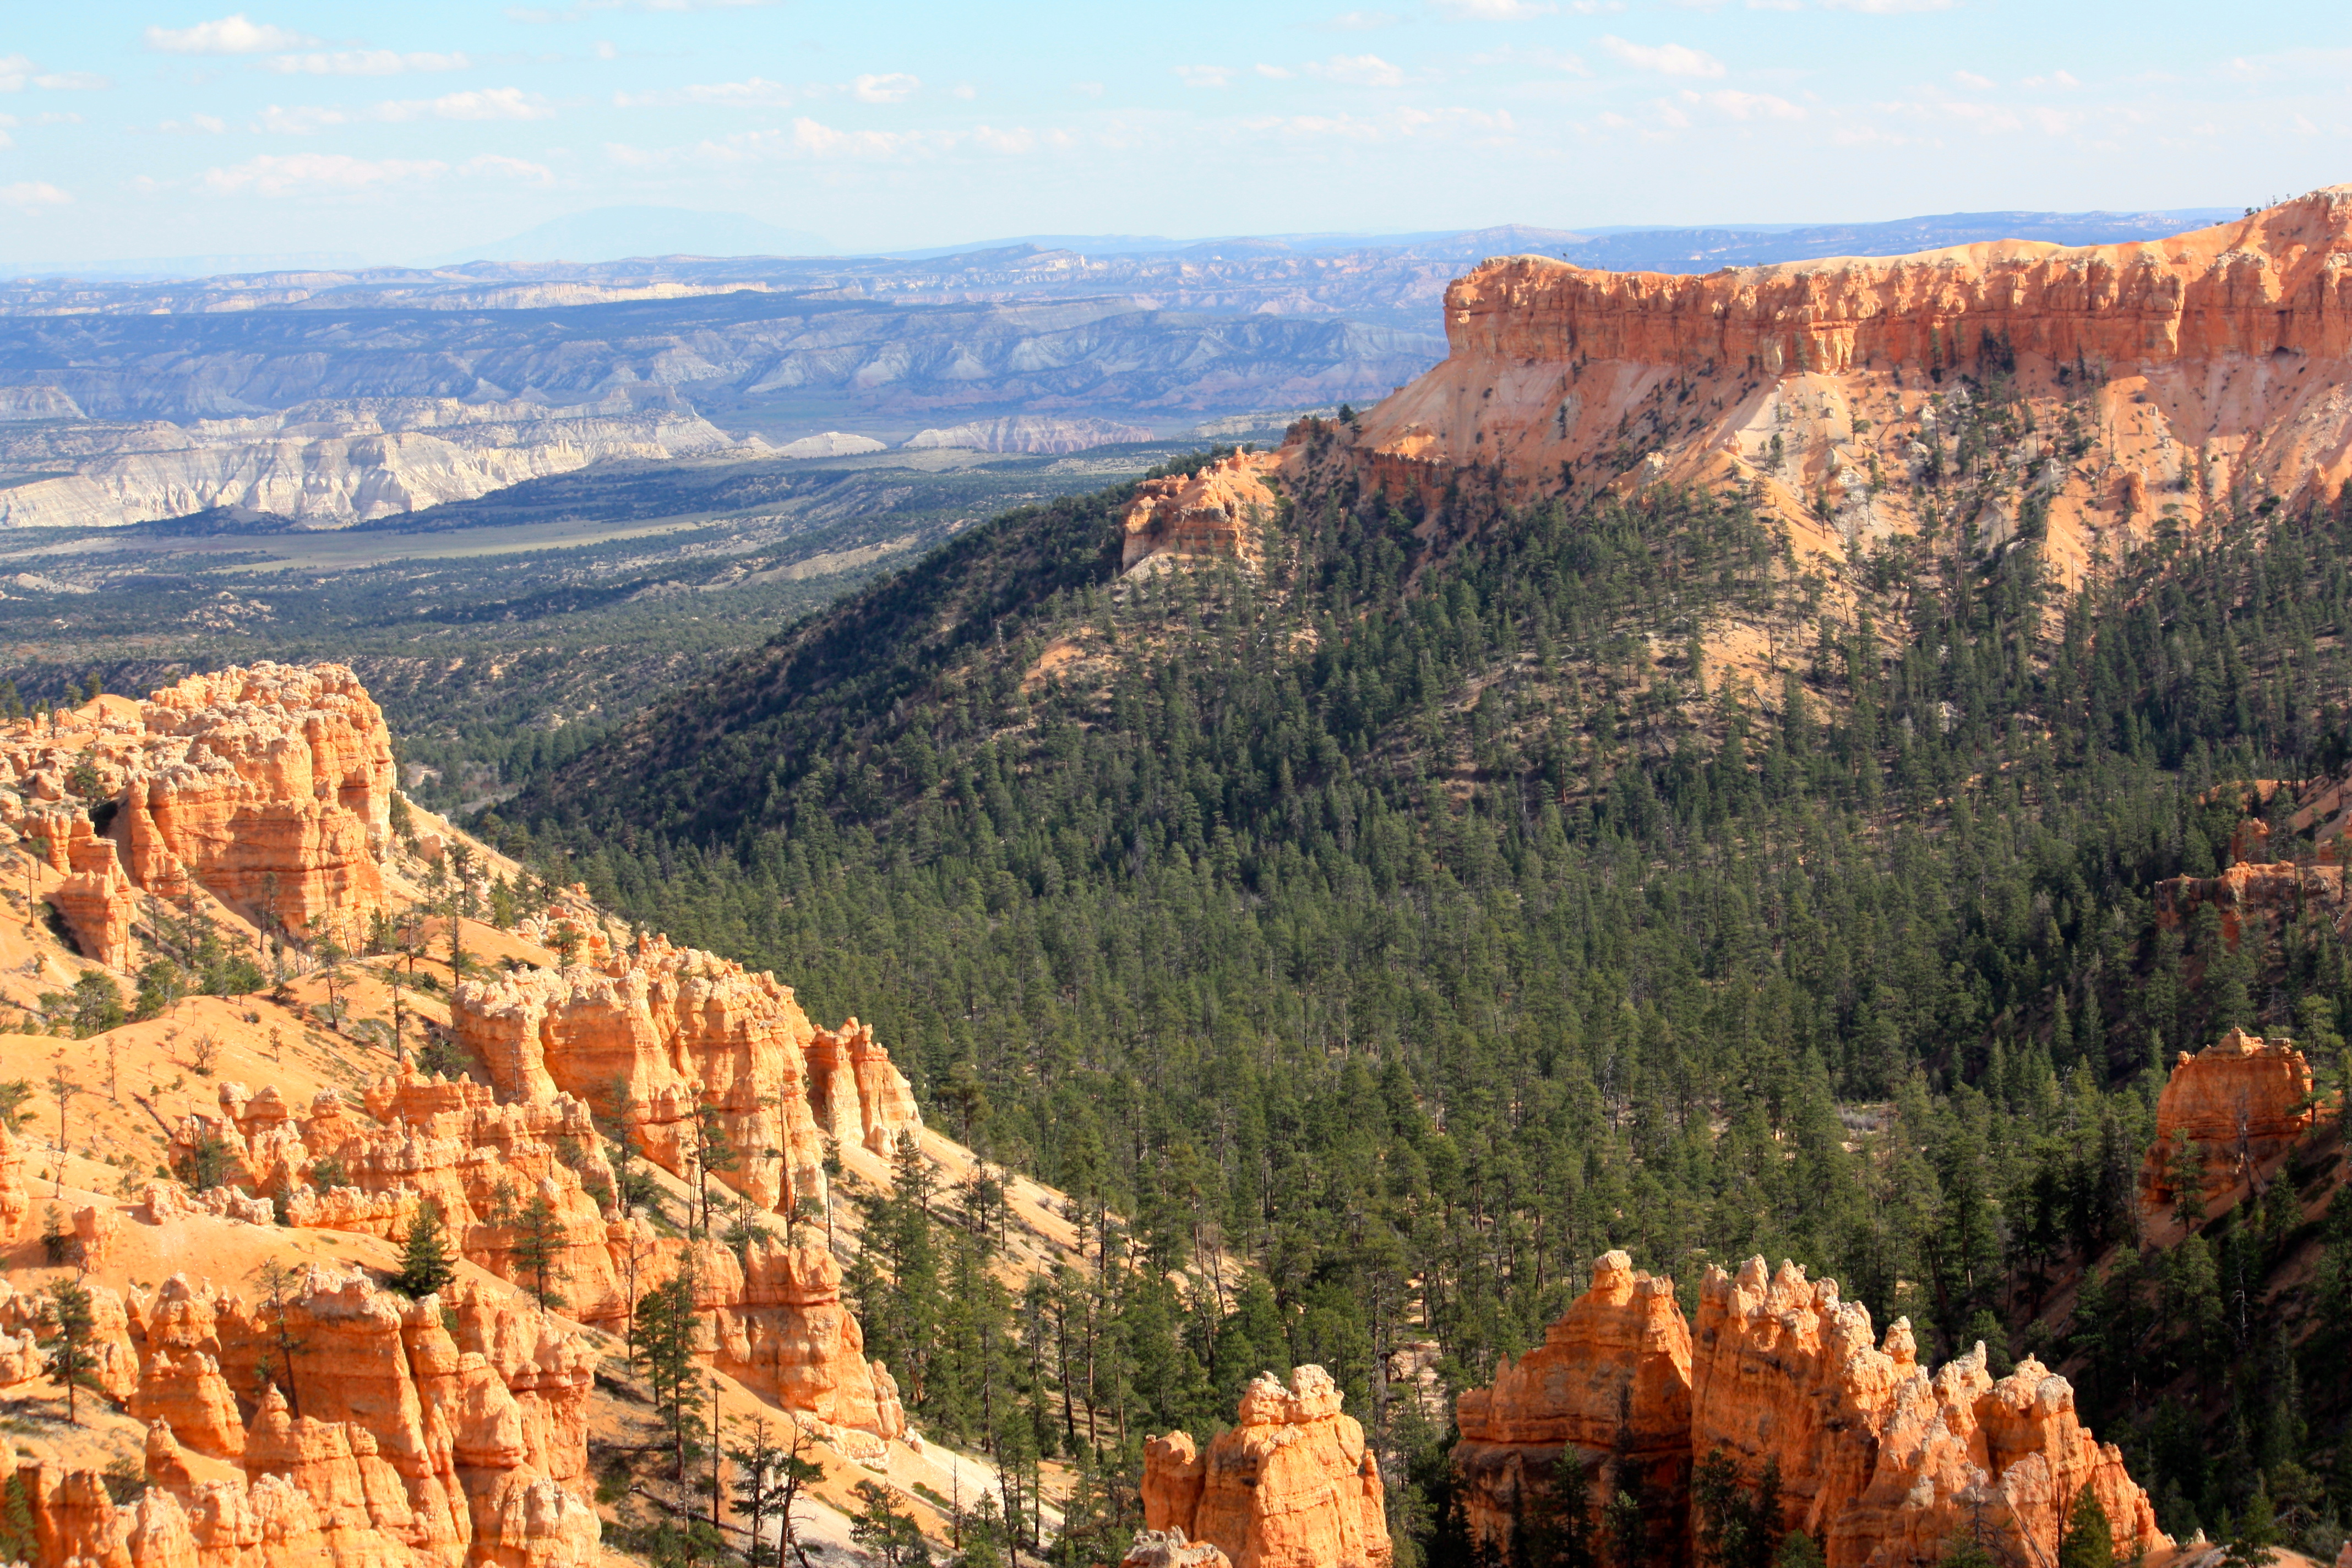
x,y
2241,1104
1618,1362
2217,364
660,1036
1291,1487
270,787
1217,512
1878,1461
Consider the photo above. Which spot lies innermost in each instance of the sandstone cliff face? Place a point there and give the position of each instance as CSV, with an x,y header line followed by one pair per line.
x,y
270,787
1879,1462
658,1037
2241,1104
1218,511
1291,1487
2222,361
1615,1368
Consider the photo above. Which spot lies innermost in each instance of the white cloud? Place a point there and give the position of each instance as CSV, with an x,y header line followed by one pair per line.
x,y
1667,59
1747,105
1088,88
1362,21
1273,73
1973,82
481,103
1359,70
2055,79
823,141
753,92
16,70
1203,76
1014,140
229,35
964,90
365,62
538,14
896,87
1889,7
274,176
488,103
496,166
195,125
30,196
1541,55
1492,10
73,81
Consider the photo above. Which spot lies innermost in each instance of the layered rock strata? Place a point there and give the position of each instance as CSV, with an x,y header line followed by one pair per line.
x,y
1878,1461
2238,1107
680,1046
1292,1486
1219,511
270,787
2205,370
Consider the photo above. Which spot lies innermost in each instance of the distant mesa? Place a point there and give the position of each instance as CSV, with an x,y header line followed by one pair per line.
x,y
1033,432
831,443
619,233
23,402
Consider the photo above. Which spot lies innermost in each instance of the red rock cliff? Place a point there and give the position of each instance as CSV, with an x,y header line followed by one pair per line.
x,y
2221,359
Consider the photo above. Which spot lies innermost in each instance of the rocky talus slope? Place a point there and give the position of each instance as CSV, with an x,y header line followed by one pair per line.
x,y
270,1398
2161,379
1880,1460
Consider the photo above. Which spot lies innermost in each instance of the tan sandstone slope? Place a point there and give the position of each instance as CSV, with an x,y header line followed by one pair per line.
x,y
324,1416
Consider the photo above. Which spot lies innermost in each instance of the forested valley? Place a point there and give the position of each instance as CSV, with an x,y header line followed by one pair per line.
x,y
1367,939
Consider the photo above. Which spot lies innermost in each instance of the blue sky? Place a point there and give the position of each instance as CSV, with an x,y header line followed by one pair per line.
x,y
397,131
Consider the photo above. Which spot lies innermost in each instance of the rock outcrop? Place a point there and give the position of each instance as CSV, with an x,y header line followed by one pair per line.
x,y
15,1201
2238,1107
1218,511
1293,1486
270,787
2273,890
1878,1461
1611,1378
679,1046
2201,369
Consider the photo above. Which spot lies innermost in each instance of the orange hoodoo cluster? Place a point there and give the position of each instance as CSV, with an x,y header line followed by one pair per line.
x,y
1879,1460
269,787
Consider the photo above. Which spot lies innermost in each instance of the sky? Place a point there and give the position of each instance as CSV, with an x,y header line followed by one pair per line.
x,y
395,133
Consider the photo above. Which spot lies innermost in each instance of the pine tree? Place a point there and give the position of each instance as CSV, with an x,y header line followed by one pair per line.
x,y
665,1348
67,1334
890,1535
538,1249
2089,1541
426,1265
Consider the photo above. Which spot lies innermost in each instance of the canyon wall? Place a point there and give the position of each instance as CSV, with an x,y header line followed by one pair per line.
x,y
1878,1460
270,787
2202,368
333,463
1292,1486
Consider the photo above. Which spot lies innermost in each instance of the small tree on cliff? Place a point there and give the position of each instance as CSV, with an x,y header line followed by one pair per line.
x,y
279,1284
893,1538
427,1267
69,1336
665,1348
538,1249
2088,1541
2187,1173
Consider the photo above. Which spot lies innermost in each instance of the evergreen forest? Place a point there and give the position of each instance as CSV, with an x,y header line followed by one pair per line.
x,y
1367,937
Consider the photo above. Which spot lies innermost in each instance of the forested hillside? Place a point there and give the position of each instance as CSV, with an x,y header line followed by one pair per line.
x,y
1390,930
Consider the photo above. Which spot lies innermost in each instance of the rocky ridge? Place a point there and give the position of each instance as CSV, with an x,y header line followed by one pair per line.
x,y
2163,378
1879,1460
